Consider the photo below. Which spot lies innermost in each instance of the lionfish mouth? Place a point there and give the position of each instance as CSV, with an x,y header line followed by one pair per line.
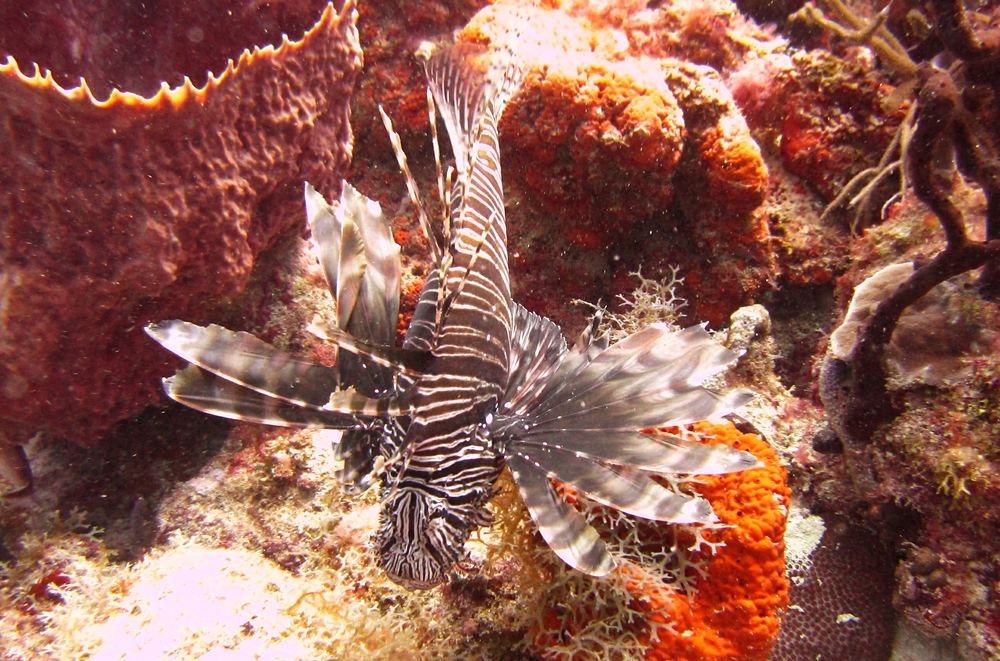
x,y
413,416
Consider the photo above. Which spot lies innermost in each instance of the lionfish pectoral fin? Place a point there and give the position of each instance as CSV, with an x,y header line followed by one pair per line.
x,y
357,449
204,391
412,362
650,379
562,527
537,345
652,453
14,468
247,361
648,410
352,271
361,261
624,489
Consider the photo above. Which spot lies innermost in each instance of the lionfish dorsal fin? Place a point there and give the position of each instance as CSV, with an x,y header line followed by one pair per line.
x,y
433,235
436,144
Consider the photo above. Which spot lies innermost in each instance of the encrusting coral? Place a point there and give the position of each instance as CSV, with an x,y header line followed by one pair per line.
x,y
867,404
840,599
736,609
912,395
681,592
121,209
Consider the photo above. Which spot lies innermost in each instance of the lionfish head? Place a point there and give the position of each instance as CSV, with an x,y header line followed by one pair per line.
x,y
420,538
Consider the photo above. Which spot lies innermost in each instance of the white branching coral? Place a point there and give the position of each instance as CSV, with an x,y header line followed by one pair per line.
x,y
652,302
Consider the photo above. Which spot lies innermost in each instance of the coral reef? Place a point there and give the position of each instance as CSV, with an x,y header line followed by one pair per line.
x,y
934,339
735,612
867,404
907,393
635,150
118,208
259,552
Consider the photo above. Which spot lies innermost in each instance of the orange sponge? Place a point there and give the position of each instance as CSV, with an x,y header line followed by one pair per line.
x,y
736,611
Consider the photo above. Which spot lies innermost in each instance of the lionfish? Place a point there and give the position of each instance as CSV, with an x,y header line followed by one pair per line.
x,y
479,382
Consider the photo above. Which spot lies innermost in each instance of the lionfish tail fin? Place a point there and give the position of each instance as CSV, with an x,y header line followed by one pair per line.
x,y
465,78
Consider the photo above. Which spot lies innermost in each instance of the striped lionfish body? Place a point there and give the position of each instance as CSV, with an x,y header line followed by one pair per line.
x,y
479,382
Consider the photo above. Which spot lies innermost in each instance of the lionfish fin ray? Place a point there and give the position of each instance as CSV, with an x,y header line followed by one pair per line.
x,y
357,450
652,378
433,237
562,527
653,453
209,393
247,361
360,260
350,401
537,345
624,489
411,362
422,332
352,272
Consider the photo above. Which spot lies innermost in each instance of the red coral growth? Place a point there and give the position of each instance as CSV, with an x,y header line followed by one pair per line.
x,y
393,78
735,169
671,597
42,590
837,119
595,137
705,32
115,213
735,614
